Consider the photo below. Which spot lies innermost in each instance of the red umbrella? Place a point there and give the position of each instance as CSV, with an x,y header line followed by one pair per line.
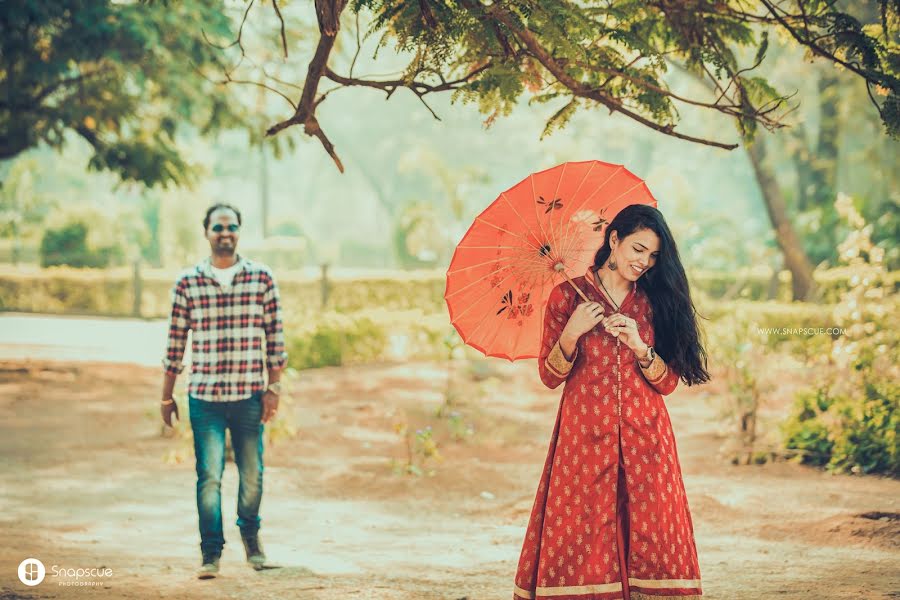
x,y
538,233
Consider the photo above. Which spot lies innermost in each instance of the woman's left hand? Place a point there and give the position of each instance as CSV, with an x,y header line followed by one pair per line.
x,y
624,328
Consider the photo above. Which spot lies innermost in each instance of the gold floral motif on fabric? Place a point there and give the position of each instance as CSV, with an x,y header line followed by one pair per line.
x,y
556,361
656,370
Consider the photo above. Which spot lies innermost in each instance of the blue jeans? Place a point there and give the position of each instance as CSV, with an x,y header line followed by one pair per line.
x,y
209,421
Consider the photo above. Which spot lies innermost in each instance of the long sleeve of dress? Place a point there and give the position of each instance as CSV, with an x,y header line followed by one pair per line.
x,y
553,366
661,376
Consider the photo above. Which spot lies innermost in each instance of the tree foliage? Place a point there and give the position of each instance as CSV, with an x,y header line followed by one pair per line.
x,y
124,76
611,54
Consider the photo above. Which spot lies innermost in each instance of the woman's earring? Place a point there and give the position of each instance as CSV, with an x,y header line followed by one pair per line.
x,y
612,265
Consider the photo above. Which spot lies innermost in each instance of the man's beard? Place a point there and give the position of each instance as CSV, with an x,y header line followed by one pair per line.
x,y
222,250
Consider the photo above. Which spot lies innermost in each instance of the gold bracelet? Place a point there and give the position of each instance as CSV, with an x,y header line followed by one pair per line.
x,y
168,402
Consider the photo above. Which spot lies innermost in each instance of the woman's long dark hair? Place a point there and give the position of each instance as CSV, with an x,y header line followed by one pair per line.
x,y
676,332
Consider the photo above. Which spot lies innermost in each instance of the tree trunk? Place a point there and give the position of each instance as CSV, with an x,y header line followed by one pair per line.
x,y
264,189
795,259
825,161
801,159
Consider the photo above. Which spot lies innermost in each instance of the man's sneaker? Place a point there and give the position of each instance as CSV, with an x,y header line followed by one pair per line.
x,y
210,567
255,555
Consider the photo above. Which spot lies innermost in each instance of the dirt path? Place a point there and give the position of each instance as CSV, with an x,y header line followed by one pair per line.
x,y
88,481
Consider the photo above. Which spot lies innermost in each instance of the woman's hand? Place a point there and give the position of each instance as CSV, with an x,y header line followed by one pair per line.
x,y
584,318
625,328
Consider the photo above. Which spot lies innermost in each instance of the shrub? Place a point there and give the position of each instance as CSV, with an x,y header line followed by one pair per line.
x,y
67,245
851,420
870,436
336,340
806,432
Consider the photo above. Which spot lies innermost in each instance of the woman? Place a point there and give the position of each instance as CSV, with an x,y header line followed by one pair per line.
x,y
611,519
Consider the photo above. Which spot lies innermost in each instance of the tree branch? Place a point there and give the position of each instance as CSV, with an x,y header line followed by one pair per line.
x,y
358,47
328,13
63,82
283,36
817,49
228,79
580,90
418,87
732,108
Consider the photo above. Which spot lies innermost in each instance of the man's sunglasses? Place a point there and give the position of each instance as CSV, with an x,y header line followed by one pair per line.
x,y
219,228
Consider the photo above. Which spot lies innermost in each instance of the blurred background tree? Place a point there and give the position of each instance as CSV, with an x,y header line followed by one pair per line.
x,y
122,76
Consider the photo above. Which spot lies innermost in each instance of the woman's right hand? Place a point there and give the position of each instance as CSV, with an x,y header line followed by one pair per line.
x,y
584,318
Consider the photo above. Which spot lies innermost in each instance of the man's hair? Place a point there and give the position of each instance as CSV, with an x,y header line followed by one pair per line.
x,y
218,206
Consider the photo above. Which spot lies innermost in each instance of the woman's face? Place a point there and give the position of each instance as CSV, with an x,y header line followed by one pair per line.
x,y
634,254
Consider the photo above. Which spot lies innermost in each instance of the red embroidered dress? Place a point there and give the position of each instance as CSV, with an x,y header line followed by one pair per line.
x,y
611,518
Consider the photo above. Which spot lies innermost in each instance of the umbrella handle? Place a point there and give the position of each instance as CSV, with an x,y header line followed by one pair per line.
x,y
577,289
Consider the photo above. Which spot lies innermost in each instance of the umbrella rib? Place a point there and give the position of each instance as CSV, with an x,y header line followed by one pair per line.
x,y
537,214
491,247
552,237
487,262
586,200
516,270
628,191
574,238
522,329
497,227
480,323
528,270
556,232
473,306
522,219
525,256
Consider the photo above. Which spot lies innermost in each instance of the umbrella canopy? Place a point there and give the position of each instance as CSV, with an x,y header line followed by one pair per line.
x,y
540,232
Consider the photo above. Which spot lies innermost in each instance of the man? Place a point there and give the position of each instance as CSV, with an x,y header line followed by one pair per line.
x,y
229,303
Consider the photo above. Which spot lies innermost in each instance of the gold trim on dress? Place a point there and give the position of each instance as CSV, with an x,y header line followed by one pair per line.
x,y
556,361
656,370
642,596
578,590
603,588
523,593
664,583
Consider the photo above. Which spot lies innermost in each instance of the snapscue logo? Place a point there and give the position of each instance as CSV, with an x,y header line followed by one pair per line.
x,y
69,576
32,572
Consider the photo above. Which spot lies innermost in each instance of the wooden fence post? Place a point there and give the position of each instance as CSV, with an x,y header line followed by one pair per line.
x,y
138,288
325,285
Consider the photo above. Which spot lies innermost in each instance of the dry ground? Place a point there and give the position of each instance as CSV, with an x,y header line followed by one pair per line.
x,y
88,481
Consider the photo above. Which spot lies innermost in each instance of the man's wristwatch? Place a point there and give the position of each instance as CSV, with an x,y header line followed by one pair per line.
x,y
275,388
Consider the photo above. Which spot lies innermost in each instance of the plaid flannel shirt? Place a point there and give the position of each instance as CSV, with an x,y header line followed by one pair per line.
x,y
227,325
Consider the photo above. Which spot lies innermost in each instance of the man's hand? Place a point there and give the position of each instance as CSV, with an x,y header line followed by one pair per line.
x,y
167,410
269,405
